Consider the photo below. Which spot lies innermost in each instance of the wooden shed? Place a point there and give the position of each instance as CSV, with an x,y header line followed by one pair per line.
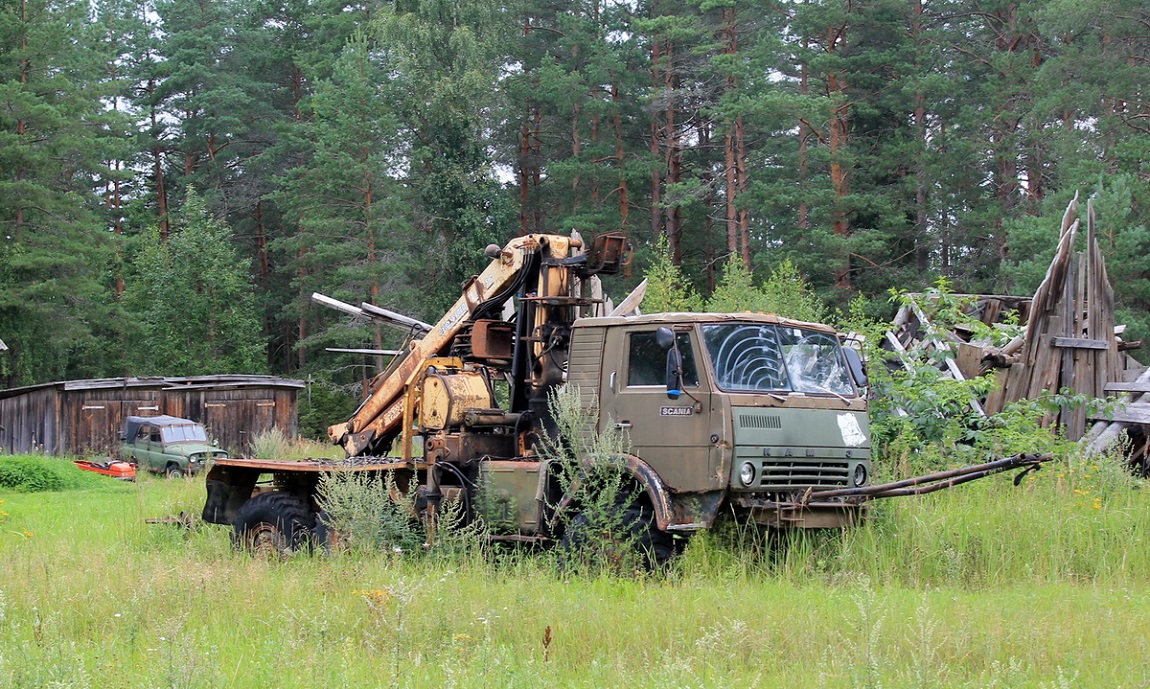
x,y
86,416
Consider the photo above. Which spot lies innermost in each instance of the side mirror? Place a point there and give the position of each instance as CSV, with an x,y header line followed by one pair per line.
x,y
674,373
856,366
665,338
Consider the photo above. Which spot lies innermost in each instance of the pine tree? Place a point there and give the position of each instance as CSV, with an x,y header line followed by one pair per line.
x,y
193,296
668,291
443,59
53,247
354,239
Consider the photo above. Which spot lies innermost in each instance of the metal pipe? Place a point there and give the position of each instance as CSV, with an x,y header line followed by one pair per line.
x,y
942,478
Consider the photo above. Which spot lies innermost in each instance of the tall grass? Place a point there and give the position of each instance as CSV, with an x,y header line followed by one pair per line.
x,y
1044,585
275,444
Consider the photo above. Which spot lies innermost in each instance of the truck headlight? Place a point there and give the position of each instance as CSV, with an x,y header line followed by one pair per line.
x,y
860,474
747,473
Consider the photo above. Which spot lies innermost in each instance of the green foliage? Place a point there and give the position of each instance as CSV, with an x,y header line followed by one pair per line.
x,y
371,150
270,444
372,512
924,420
321,406
736,290
785,293
192,296
599,533
32,474
55,132
667,289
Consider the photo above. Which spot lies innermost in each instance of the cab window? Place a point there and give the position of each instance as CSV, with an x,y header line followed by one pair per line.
x,y
647,361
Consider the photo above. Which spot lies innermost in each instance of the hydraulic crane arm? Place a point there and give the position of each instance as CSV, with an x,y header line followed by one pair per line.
x,y
380,414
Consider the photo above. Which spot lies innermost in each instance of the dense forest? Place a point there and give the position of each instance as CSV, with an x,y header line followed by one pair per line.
x,y
178,176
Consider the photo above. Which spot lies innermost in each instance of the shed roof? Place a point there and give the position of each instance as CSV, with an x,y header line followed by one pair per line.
x,y
228,381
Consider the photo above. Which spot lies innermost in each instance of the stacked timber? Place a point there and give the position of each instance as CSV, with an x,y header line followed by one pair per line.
x,y
1070,341
1129,420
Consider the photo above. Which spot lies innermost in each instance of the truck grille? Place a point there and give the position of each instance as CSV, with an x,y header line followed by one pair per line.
x,y
790,474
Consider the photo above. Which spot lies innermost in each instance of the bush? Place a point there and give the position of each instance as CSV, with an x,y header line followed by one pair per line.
x,y
606,527
271,444
36,474
370,511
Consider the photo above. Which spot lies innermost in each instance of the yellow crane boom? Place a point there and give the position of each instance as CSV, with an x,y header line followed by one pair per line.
x,y
381,413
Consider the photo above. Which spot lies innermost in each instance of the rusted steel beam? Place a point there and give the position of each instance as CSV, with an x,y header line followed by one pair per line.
x,y
936,481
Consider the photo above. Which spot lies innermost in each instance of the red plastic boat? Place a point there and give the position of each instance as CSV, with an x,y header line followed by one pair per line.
x,y
115,468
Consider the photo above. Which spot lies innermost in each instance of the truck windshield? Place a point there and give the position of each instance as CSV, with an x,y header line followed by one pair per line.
x,y
183,434
763,358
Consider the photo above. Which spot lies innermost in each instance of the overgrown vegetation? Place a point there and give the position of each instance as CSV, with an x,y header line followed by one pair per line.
x,y
275,444
376,513
604,517
1043,585
38,473
923,420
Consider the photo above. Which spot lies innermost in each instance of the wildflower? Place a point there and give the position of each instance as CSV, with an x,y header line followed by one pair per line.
x,y
376,597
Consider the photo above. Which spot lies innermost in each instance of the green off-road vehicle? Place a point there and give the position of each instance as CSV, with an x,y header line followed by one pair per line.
x,y
168,445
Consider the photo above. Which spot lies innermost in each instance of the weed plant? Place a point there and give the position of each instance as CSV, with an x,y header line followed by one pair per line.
x,y
367,513
275,444
602,528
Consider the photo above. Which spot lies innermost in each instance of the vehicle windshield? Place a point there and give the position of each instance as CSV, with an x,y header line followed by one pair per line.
x,y
184,434
768,358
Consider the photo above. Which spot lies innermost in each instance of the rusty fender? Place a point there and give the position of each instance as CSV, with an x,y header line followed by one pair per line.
x,y
637,469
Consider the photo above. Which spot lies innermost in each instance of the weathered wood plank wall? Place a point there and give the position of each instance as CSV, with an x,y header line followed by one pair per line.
x,y
86,417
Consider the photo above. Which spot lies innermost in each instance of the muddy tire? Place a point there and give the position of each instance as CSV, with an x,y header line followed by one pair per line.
x,y
174,471
639,540
656,548
273,524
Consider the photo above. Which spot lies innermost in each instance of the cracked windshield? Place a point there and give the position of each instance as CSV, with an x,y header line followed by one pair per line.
x,y
758,357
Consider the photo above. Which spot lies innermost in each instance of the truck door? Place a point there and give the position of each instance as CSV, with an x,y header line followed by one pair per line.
x,y
672,435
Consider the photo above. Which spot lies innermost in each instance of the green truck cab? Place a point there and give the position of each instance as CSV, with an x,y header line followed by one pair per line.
x,y
168,445
743,412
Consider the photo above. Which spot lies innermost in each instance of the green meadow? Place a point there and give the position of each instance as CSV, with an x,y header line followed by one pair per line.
x,y
1046,584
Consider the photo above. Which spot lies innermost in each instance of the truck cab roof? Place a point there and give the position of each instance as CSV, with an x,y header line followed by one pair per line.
x,y
682,318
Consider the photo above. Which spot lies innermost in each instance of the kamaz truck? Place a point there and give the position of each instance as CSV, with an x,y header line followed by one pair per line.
x,y
750,414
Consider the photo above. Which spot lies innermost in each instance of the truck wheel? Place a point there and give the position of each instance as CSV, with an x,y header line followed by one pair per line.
x,y
274,524
656,548
174,471
584,542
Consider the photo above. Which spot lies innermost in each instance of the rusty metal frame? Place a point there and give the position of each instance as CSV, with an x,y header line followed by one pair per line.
x,y
929,483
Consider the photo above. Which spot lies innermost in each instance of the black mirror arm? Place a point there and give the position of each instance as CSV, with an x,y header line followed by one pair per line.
x,y
674,374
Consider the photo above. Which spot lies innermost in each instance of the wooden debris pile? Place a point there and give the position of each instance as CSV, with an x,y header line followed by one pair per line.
x,y
1070,341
